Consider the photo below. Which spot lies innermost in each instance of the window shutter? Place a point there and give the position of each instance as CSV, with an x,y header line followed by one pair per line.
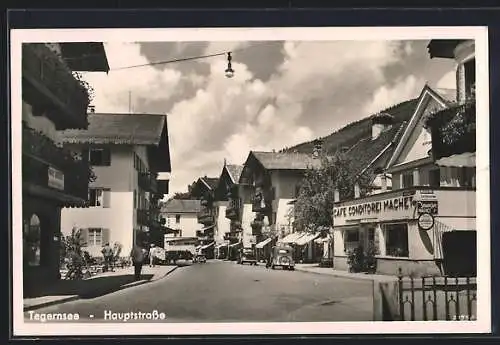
x,y
106,198
84,237
105,236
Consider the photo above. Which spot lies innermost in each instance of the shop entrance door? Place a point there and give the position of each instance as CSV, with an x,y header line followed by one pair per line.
x,y
459,253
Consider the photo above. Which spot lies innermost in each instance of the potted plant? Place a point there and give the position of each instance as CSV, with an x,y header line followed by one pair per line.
x,y
355,260
370,258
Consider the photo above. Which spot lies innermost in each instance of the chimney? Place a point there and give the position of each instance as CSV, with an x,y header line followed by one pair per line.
x,y
357,191
383,179
380,123
336,195
317,148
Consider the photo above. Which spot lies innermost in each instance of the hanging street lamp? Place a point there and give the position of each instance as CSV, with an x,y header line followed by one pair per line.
x,y
229,70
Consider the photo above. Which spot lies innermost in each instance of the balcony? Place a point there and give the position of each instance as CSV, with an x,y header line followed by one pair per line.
x,y
49,85
233,210
205,217
143,217
53,168
148,182
453,130
258,203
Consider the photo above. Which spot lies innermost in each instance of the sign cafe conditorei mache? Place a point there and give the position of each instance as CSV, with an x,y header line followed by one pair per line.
x,y
401,203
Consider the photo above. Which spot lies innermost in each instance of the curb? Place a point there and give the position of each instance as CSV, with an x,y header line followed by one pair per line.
x,y
91,295
334,275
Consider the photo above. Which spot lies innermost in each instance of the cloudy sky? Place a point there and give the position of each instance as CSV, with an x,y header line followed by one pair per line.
x,y
283,92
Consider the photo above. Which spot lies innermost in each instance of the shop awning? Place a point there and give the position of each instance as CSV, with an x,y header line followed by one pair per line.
x,y
263,243
321,240
233,245
207,245
198,247
292,238
306,239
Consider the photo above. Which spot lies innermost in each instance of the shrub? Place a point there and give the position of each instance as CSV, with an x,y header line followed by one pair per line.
x,y
370,258
355,260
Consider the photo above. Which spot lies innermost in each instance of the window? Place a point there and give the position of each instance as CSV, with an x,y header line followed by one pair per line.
x,y
371,235
31,241
407,180
396,239
435,177
466,177
177,218
297,191
100,197
100,157
351,239
94,237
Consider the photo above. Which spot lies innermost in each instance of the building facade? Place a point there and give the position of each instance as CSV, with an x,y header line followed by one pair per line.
x,y
271,180
126,152
208,215
407,224
182,217
53,99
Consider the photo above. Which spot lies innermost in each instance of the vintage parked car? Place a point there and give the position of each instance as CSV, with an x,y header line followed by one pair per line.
x,y
247,255
282,256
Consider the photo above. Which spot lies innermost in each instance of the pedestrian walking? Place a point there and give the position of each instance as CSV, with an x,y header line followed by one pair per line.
x,y
152,255
137,255
107,254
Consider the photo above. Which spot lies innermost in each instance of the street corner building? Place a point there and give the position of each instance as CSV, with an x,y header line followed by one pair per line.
x,y
127,153
54,98
421,213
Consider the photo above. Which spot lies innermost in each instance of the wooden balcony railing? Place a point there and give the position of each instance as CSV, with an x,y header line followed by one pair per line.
x,y
50,85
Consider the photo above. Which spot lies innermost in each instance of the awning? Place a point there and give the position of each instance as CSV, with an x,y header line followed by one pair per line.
x,y
321,240
306,239
441,226
198,247
291,238
459,160
207,245
233,245
263,243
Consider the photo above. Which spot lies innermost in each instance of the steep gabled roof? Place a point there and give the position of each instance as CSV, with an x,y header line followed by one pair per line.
x,y
110,128
234,171
211,182
286,160
181,206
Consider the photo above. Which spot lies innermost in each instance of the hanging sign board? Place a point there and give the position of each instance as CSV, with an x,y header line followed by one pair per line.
x,y
426,221
56,178
426,202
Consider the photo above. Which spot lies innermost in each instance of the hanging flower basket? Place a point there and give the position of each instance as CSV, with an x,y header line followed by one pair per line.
x,y
453,130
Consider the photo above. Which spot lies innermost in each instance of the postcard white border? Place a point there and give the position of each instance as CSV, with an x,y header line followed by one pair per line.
x,y
479,34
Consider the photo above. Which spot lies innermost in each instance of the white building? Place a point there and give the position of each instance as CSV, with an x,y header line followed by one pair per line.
x,y
182,217
126,152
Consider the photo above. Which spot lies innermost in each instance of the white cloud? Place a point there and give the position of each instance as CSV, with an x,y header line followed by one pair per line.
x,y
448,81
226,118
112,91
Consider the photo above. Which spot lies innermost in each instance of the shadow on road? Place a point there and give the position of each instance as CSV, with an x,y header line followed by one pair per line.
x,y
89,288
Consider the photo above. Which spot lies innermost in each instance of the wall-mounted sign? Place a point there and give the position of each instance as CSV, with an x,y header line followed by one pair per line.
x,y
401,203
426,202
56,178
425,221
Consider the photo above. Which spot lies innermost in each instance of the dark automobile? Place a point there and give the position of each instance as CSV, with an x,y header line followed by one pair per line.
x,y
282,256
247,255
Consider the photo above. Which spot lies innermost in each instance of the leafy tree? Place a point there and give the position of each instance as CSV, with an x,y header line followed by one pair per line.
x,y
314,205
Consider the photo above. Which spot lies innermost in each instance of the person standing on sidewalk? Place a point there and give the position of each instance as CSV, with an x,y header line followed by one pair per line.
x,y
152,255
107,253
137,255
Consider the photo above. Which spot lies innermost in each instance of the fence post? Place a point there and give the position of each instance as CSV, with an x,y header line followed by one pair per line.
x,y
424,300
469,304
446,302
434,305
457,291
412,299
400,292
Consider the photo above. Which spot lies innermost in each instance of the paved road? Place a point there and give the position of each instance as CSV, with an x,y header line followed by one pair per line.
x,y
226,292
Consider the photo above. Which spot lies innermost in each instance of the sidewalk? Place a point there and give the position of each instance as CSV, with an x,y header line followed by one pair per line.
x,y
99,285
314,268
